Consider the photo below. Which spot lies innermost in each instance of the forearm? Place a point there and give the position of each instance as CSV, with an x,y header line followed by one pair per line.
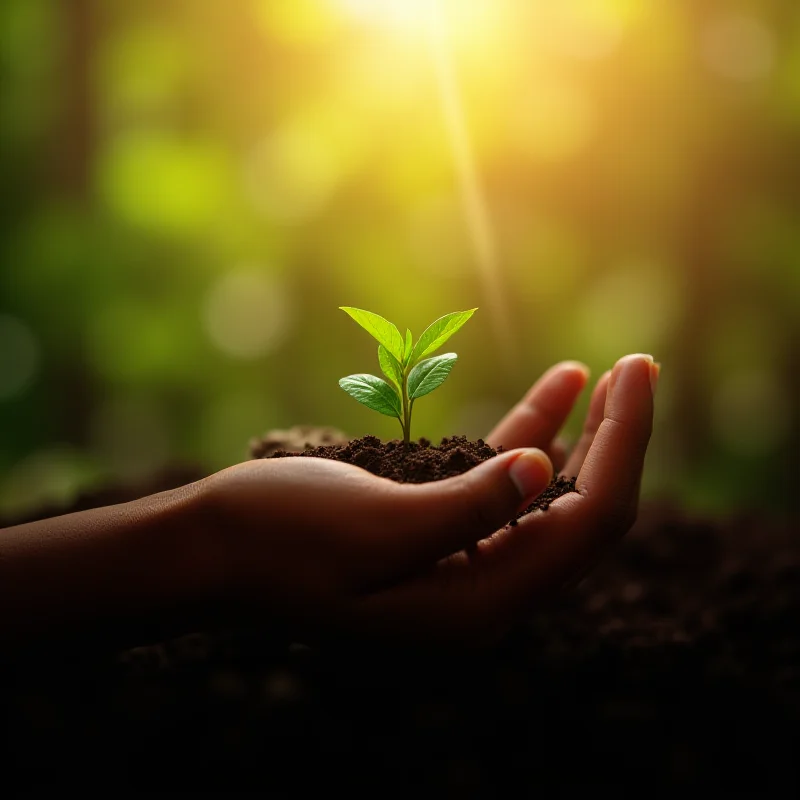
x,y
149,563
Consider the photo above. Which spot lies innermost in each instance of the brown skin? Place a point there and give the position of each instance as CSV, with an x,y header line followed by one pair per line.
x,y
323,547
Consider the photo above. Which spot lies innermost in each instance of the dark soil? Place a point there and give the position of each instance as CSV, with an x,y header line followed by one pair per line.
x,y
415,462
674,667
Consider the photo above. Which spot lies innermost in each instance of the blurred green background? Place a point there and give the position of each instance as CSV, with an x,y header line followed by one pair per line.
x,y
191,189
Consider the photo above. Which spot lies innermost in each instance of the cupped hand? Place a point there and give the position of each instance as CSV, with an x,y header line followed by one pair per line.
x,y
328,547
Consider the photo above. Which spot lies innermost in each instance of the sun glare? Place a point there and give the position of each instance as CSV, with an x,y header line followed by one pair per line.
x,y
410,14
442,24
463,19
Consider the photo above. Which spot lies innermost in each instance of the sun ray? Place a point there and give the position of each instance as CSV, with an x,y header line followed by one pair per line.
x,y
473,197
440,24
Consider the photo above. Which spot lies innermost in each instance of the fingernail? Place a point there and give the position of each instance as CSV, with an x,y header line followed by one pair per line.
x,y
655,371
627,372
578,365
530,472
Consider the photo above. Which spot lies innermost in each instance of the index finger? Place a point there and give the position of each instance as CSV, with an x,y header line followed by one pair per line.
x,y
611,473
579,526
486,591
538,417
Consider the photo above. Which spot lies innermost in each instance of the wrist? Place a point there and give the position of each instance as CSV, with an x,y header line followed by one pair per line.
x,y
136,570
183,558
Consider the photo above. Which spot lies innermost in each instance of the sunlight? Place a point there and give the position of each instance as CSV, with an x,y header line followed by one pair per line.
x,y
444,25
465,19
473,198
407,14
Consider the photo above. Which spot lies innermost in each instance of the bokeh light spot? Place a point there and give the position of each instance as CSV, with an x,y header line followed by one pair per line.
x,y
739,46
751,412
291,174
162,182
19,356
247,313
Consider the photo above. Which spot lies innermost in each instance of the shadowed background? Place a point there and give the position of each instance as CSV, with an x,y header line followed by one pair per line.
x,y
191,189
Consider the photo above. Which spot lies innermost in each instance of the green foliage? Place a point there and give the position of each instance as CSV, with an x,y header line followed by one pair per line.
x,y
429,374
383,330
438,333
390,366
411,375
165,170
373,392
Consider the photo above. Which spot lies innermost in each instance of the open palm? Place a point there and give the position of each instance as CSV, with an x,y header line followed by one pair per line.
x,y
477,594
329,547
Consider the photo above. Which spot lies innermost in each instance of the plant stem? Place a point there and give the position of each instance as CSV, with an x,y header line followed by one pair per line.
x,y
406,411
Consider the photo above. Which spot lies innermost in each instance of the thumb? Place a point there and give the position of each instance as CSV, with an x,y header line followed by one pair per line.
x,y
440,518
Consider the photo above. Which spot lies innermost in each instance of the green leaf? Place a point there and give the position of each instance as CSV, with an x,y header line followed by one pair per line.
x,y
383,330
438,332
373,392
390,366
429,374
408,347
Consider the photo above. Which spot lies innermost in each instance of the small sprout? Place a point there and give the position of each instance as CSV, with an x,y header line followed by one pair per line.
x,y
410,371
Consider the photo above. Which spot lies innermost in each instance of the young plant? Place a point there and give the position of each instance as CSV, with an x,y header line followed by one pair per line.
x,y
411,374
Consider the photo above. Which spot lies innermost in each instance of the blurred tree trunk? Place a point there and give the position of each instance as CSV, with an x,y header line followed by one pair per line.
x,y
718,177
72,154
74,135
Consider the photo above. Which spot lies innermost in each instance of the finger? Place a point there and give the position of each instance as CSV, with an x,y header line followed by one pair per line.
x,y
594,417
538,417
434,520
481,595
443,607
474,599
612,470
608,482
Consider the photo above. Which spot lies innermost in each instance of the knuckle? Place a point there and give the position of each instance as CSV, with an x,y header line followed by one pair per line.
x,y
480,517
478,508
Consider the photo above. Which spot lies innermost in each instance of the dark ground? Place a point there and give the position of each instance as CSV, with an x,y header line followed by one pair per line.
x,y
675,666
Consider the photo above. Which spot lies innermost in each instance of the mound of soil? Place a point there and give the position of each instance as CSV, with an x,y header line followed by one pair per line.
x,y
674,667
415,462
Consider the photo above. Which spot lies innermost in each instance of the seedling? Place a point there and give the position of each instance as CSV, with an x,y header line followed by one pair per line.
x,y
411,374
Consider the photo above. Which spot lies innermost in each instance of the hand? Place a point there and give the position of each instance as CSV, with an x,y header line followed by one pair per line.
x,y
326,546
